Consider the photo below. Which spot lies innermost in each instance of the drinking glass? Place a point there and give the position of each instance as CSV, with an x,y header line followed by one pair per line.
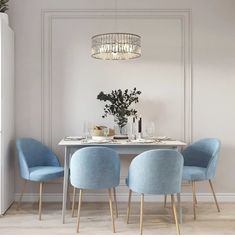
x,y
150,130
87,128
106,131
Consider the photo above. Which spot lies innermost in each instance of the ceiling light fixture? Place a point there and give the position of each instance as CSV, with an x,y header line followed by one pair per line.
x,y
116,46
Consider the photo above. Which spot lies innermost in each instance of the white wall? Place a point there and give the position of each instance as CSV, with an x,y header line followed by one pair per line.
x,y
183,42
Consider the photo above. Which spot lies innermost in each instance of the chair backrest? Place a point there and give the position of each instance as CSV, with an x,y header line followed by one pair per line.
x,y
32,153
156,172
203,153
95,168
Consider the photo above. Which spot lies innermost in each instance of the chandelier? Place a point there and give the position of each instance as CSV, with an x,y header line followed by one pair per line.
x,y
116,46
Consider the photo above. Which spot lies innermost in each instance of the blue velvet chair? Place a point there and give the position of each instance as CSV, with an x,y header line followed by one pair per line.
x,y
200,162
95,168
37,163
155,172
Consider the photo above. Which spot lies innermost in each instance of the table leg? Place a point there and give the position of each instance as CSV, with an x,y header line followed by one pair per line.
x,y
179,208
68,194
65,185
179,148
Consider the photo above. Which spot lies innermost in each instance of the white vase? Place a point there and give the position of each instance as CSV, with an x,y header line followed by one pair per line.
x,y
4,17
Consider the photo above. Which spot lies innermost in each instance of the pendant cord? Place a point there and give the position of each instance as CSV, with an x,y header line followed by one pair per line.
x,y
115,17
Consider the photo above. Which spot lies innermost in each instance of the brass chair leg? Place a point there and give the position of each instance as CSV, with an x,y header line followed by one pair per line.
x,y
115,200
79,208
141,213
111,208
21,195
69,205
175,214
217,205
165,199
194,198
73,202
128,207
40,201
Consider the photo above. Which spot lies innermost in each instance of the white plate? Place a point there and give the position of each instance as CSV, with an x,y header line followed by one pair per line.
x,y
164,138
97,142
143,141
73,138
101,138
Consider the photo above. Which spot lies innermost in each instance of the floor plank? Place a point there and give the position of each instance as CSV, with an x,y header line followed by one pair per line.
x,y
95,219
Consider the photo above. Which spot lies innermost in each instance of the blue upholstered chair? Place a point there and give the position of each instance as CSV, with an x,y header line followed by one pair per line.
x,y
155,172
37,163
200,162
95,168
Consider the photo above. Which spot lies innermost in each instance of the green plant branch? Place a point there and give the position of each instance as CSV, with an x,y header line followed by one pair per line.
x,y
118,104
4,5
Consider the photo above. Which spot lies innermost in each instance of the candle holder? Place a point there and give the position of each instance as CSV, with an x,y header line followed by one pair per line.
x,y
139,135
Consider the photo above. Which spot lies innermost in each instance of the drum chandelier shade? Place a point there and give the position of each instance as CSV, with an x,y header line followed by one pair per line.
x,y
116,46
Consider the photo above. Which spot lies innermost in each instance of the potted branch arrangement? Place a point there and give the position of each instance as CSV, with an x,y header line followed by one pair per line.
x,y
119,105
3,9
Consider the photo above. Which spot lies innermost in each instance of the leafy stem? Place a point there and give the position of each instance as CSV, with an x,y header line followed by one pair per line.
x,y
119,103
3,5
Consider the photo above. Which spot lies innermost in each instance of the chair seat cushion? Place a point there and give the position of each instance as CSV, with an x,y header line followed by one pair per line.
x,y
44,173
193,173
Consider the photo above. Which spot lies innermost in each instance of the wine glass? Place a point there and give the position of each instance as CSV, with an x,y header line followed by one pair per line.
x,y
106,132
150,130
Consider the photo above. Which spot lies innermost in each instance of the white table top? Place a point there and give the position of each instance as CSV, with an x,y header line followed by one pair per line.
x,y
66,142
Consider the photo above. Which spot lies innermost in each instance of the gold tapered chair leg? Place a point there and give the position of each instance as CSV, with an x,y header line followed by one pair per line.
x,y
79,208
111,209
40,201
141,213
165,199
73,201
128,207
115,201
194,199
175,214
21,195
217,205
69,204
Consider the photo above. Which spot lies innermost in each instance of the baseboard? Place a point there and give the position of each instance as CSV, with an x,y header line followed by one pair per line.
x,y
123,197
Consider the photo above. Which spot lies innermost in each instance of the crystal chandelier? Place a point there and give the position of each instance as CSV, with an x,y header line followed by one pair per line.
x,y
116,46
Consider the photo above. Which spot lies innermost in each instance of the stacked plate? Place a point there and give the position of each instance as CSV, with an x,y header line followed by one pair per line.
x,y
73,138
101,138
143,141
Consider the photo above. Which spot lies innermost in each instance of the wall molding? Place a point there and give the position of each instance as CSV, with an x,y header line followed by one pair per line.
x,y
50,15
122,197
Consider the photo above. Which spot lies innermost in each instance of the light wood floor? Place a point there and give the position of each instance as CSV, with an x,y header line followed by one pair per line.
x,y
95,219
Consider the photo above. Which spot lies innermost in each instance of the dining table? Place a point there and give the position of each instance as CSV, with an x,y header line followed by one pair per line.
x,y
123,147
